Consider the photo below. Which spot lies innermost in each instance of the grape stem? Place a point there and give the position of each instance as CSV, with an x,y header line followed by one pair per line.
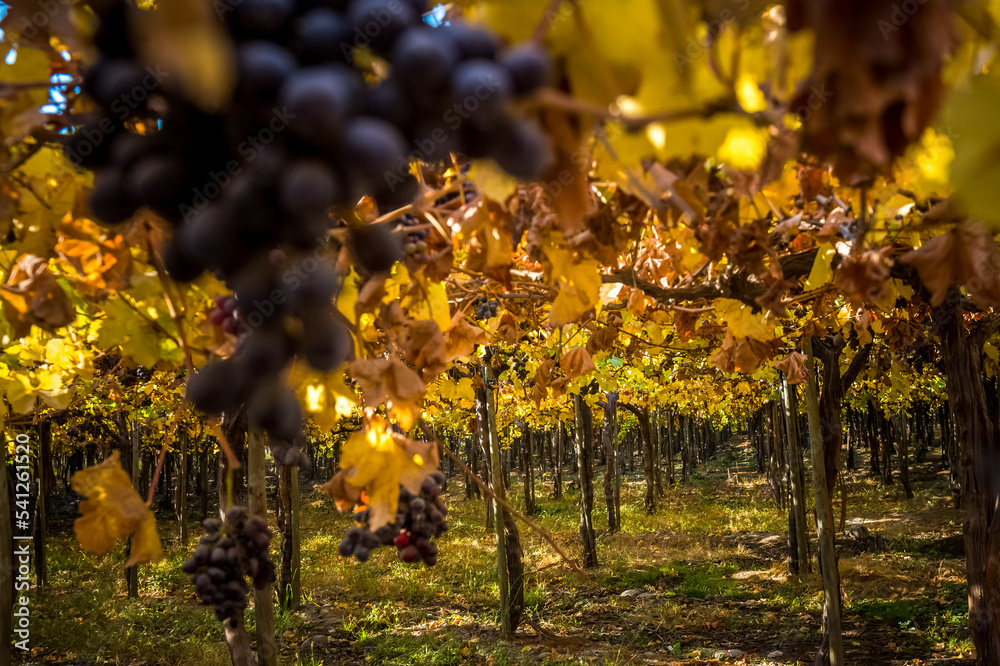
x,y
429,434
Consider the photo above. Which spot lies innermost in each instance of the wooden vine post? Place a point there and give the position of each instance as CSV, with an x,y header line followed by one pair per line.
x,y
263,600
498,490
585,465
798,530
831,650
132,573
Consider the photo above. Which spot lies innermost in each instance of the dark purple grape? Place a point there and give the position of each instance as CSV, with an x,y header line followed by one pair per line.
x,y
263,17
423,59
265,352
472,43
216,388
388,101
528,65
523,150
325,342
375,247
119,79
275,409
308,187
321,35
410,554
318,99
481,88
158,180
110,201
379,23
263,68
373,147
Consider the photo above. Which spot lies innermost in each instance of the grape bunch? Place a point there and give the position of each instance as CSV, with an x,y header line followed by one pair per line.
x,y
419,518
106,362
487,309
220,563
249,187
416,239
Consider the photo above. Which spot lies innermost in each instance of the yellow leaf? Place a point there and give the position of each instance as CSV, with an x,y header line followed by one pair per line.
x,y
742,321
578,282
145,542
379,461
821,272
744,148
491,180
113,510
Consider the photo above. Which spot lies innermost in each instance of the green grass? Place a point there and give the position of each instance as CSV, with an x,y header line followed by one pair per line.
x,y
393,613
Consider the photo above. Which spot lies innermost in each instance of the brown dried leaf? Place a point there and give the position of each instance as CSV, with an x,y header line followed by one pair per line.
x,y
462,338
576,362
863,276
794,365
967,255
425,348
33,297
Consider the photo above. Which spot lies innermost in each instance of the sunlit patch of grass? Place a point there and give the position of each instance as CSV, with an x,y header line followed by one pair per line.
x,y
416,651
676,553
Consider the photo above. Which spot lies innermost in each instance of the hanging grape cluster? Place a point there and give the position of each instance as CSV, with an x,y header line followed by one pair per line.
x,y
220,563
249,189
419,518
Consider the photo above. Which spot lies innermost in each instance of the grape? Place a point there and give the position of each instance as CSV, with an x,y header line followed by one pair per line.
x,y
209,235
110,202
373,146
157,180
90,146
320,34
472,43
129,148
309,187
394,194
523,150
115,80
528,65
375,247
317,288
263,17
263,67
253,288
482,87
325,342
383,21
274,408
423,59
265,352
409,554
388,101
216,387
319,99
180,263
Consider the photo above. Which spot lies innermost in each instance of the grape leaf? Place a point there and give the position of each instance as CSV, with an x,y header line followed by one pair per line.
x,y
113,510
578,282
378,461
